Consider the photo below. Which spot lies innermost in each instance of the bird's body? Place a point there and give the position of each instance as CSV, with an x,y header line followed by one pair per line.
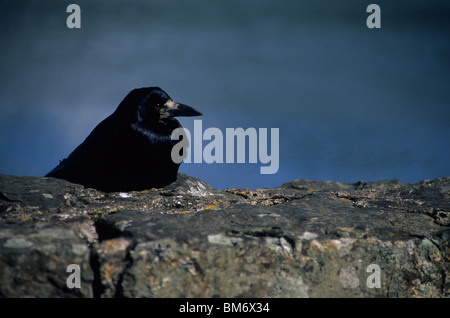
x,y
130,149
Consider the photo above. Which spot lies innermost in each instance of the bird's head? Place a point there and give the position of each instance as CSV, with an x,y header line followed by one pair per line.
x,y
152,104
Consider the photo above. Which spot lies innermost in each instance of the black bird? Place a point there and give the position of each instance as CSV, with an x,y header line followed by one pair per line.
x,y
130,149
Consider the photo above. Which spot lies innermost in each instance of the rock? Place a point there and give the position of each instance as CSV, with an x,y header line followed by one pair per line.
x,y
302,239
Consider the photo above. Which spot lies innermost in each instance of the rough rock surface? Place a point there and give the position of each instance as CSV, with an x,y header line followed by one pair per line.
x,y
302,239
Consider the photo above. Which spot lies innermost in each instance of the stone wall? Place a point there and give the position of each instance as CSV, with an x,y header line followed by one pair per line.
x,y
302,239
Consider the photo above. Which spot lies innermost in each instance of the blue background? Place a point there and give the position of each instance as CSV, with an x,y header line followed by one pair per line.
x,y
351,103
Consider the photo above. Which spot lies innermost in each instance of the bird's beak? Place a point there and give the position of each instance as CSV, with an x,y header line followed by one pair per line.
x,y
177,110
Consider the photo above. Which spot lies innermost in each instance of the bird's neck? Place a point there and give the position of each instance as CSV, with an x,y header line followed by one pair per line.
x,y
161,125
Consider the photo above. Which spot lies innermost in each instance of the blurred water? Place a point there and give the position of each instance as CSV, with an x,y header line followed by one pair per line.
x,y
351,103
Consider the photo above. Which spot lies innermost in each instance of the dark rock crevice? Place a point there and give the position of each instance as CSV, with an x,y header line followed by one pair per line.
x,y
97,286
